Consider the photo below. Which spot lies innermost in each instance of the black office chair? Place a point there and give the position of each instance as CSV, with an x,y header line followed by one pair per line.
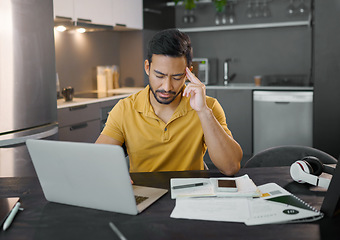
x,y
286,156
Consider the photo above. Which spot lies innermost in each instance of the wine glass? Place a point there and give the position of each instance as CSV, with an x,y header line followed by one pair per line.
x,y
185,17
231,14
250,10
192,17
217,19
265,10
257,9
224,18
291,8
302,8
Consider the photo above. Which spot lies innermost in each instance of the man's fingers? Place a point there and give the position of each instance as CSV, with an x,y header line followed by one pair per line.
x,y
191,77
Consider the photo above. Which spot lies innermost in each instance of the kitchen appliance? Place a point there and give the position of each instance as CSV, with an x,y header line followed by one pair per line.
x,y
205,69
28,106
282,118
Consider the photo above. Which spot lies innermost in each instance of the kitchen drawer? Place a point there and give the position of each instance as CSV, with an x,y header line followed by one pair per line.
x,y
80,132
78,114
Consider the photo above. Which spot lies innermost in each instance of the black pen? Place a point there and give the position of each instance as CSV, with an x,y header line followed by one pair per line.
x,y
188,185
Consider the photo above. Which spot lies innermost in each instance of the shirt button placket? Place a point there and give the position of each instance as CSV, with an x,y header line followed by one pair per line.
x,y
166,133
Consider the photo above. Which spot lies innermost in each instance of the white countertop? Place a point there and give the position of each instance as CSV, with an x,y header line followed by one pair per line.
x,y
251,86
124,92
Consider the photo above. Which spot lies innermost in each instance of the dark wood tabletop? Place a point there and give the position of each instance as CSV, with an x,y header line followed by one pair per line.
x,y
44,220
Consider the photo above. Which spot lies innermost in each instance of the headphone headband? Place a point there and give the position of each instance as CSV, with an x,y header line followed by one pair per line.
x,y
308,170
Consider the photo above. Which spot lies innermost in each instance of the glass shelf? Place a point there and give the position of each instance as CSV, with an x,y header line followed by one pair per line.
x,y
247,26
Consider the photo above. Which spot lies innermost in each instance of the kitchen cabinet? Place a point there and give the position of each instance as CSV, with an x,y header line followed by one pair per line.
x,y
79,123
237,105
84,122
63,8
128,13
99,11
105,108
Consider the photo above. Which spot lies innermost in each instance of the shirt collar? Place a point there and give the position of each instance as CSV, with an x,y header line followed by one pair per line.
x,y
143,105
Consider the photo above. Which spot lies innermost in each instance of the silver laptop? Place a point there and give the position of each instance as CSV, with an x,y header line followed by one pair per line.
x,y
89,175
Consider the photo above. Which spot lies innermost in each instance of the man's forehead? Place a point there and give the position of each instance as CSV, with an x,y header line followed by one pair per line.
x,y
169,73
161,57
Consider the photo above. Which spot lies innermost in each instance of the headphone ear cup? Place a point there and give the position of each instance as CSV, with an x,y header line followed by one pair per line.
x,y
297,168
315,164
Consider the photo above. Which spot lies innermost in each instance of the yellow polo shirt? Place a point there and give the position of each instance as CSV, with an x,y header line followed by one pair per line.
x,y
154,145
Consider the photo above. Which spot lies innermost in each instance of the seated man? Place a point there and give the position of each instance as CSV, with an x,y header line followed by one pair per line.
x,y
168,126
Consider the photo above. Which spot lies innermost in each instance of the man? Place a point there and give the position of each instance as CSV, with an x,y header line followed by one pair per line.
x,y
168,126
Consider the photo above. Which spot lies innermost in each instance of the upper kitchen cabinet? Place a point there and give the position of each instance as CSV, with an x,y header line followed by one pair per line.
x,y
99,11
96,11
63,8
128,13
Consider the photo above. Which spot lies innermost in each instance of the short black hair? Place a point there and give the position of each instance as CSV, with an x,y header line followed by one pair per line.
x,y
170,42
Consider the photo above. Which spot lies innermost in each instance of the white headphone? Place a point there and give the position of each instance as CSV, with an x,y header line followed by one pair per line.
x,y
308,170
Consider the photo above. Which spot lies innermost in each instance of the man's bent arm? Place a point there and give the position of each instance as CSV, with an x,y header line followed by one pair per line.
x,y
224,151
103,139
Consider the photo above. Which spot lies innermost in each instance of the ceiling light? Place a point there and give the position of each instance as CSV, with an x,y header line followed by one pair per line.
x,y
61,28
81,30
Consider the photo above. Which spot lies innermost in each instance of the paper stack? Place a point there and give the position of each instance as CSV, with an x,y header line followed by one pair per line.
x,y
265,204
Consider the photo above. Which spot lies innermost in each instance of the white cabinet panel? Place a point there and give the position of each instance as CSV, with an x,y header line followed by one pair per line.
x,y
63,8
99,11
128,13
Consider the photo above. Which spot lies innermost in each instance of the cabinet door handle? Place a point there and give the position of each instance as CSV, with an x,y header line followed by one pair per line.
x,y
84,20
120,25
282,102
77,107
63,18
78,126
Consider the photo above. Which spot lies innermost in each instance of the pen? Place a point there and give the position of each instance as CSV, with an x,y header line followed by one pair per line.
x,y
11,216
188,185
116,230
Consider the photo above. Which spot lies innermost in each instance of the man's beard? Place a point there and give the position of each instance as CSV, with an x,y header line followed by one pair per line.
x,y
165,100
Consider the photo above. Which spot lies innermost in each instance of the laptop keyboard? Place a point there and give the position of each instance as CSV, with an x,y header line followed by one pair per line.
x,y
140,199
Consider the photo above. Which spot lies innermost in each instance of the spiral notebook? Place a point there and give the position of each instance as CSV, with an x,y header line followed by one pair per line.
x,y
279,206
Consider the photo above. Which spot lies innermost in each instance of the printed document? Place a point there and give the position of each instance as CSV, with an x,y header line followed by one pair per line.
x,y
276,205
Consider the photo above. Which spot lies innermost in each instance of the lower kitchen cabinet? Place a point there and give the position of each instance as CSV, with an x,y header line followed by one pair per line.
x,y
79,123
237,105
81,132
84,122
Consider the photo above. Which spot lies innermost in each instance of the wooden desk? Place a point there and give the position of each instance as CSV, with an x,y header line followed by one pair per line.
x,y
43,220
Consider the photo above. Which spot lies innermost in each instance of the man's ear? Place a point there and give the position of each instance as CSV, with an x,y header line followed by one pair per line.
x,y
147,67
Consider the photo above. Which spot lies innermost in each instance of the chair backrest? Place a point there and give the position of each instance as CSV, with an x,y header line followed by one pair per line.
x,y
286,156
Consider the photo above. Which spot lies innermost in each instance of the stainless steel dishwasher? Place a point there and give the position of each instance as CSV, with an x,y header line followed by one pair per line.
x,y
282,118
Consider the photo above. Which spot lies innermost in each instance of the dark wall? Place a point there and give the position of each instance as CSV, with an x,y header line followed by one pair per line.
x,y
327,76
157,15
263,51
267,51
257,52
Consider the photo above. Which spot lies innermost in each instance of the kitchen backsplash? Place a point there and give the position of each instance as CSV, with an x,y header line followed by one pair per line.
x,y
77,56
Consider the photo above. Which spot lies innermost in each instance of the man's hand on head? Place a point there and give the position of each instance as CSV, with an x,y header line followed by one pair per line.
x,y
196,91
